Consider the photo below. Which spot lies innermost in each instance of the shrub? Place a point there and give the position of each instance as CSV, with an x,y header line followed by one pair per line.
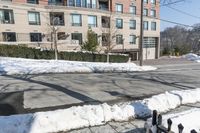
x,y
31,53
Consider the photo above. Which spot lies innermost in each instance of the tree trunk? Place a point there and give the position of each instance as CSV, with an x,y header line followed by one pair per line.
x,y
55,45
108,57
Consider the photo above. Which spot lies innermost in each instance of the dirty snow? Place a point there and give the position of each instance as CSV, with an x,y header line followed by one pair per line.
x,y
91,115
11,66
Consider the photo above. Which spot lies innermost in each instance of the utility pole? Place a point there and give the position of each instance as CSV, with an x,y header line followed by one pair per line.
x,y
141,33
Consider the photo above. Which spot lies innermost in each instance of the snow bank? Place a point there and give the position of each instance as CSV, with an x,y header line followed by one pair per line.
x,y
192,57
189,119
91,115
11,66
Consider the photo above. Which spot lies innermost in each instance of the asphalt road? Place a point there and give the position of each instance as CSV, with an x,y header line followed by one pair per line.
x,y
29,93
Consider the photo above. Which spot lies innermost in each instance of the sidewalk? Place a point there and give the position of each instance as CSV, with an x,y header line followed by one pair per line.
x,y
134,126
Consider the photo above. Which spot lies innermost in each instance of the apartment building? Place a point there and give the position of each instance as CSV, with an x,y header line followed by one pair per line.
x,y
32,21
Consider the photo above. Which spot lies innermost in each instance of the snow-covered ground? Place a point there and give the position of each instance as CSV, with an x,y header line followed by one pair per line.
x,y
91,115
11,66
189,119
192,57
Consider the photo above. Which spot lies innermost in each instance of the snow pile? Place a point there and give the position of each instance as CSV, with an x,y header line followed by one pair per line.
x,y
189,119
91,115
192,57
11,66
63,120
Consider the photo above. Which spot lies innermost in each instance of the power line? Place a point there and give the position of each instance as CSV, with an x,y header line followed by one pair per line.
x,y
185,13
171,3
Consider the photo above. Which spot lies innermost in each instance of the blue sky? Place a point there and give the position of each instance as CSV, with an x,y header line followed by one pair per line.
x,y
189,6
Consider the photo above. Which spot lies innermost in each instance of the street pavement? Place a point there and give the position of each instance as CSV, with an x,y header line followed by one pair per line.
x,y
30,93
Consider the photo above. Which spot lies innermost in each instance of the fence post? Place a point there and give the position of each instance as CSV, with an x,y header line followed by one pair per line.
x,y
193,131
180,128
169,122
159,122
154,118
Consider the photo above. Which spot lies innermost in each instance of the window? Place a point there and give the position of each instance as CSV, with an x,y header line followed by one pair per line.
x,y
76,20
153,26
92,21
33,1
57,18
146,25
119,23
105,22
153,13
77,36
56,2
9,36
78,3
6,16
132,39
34,18
61,36
132,24
150,42
91,3
119,8
145,13
105,39
119,39
133,10
145,1
35,37
153,2
71,2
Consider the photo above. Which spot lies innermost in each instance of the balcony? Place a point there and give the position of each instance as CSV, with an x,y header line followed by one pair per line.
x,y
105,22
104,5
57,18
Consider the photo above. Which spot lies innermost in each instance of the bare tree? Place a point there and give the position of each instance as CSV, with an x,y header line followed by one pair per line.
x,y
109,34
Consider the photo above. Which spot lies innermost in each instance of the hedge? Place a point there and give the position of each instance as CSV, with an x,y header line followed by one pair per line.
x,y
31,53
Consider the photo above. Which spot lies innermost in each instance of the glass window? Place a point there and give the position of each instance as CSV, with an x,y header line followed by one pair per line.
x,y
145,13
6,16
76,19
33,1
133,10
78,3
132,24
146,25
35,37
71,2
61,36
153,2
132,39
146,1
153,13
119,39
92,21
77,36
119,8
150,42
153,26
84,3
34,18
9,36
91,3
119,23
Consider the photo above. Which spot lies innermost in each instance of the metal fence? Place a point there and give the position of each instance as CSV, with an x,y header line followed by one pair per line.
x,y
159,128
